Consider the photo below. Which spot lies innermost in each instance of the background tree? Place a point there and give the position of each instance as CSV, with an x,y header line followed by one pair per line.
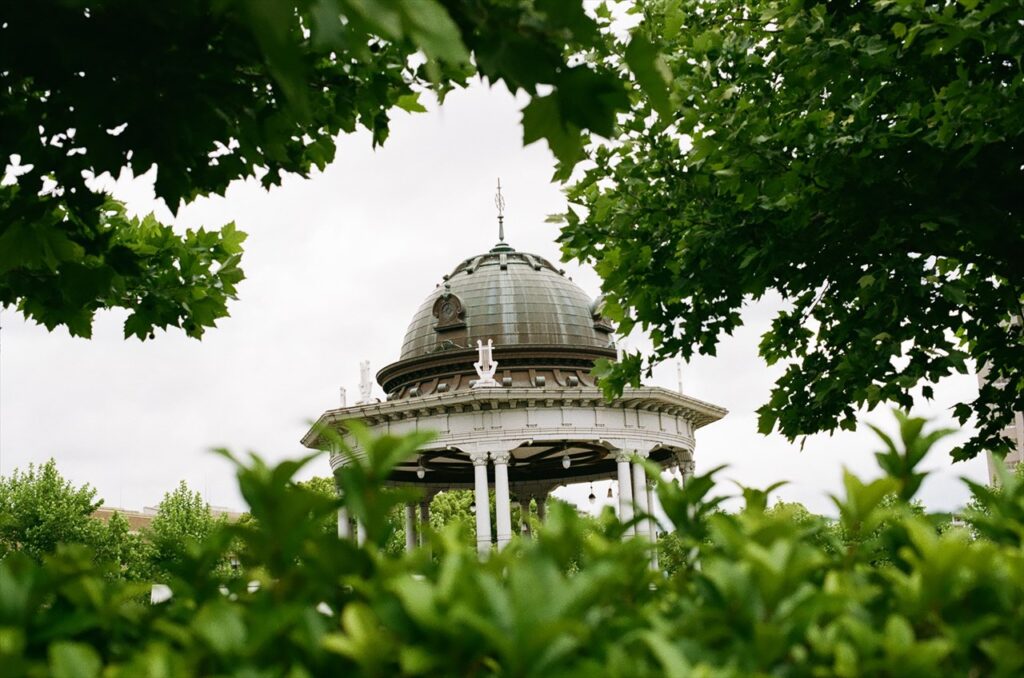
x,y
993,510
325,486
458,508
862,160
40,509
128,552
183,520
244,89
453,508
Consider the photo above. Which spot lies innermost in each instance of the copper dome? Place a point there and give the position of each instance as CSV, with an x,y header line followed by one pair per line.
x,y
536,317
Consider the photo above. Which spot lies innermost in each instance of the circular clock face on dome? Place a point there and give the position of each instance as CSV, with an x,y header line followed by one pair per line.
x,y
447,312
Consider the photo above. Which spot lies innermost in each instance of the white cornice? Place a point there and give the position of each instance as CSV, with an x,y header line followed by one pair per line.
x,y
698,412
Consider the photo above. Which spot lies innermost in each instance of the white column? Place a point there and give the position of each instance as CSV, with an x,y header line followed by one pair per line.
x,y
686,468
1019,422
424,520
360,533
625,490
344,526
502,506
483,504
410,527
652,525
640,498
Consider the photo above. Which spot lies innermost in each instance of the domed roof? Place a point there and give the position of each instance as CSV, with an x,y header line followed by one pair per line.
x,y
546,331
510,297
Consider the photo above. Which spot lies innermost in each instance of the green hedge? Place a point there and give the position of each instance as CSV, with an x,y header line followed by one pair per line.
x,y
895,591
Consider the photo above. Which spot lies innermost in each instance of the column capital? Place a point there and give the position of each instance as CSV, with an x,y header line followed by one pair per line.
x,y
501,457
628,454
478,458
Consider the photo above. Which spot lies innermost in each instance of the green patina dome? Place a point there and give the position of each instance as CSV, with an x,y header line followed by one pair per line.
x,y
512,298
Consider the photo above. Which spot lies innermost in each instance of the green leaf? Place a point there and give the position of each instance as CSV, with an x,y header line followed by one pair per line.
x,y
542,119
74,660
31,246
432,29
898,636
272,23
221,625
411,103
651,72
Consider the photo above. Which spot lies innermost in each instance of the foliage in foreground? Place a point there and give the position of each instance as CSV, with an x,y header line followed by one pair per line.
x,y
862,160
756,593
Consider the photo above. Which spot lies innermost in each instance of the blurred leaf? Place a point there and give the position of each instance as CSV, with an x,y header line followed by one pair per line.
x,y
651,73
74,660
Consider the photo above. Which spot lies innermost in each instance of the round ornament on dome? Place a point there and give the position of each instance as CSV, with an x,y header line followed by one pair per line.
x,y
448,310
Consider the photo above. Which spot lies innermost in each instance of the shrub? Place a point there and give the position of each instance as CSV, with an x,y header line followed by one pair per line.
x,y
752,593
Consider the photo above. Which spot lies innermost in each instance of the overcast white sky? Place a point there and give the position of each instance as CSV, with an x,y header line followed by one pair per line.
x,y
336,266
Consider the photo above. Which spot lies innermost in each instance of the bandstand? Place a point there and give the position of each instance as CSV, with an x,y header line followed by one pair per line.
x,y
497,362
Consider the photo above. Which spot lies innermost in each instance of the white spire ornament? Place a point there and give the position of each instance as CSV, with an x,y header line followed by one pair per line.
x,y
485,365
499,202
365,384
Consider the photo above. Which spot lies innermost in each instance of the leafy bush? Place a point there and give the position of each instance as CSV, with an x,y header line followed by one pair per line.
x,y
754,592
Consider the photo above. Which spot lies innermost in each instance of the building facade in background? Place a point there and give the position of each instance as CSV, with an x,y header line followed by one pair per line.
x,y
1015,432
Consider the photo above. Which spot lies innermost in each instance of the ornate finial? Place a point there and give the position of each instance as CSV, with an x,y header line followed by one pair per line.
x,y
365,385
499,202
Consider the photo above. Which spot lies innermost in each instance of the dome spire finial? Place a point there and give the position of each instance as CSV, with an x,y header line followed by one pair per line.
x,y
499,202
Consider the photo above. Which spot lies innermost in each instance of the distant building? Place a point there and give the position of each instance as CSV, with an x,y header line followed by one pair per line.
x,y
1015,432
137,520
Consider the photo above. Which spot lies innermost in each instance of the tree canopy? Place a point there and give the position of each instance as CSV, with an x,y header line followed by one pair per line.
x,y
863,160
209,92
183,520
40,509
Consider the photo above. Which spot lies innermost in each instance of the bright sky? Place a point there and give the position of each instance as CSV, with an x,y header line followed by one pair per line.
x,y
337,265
